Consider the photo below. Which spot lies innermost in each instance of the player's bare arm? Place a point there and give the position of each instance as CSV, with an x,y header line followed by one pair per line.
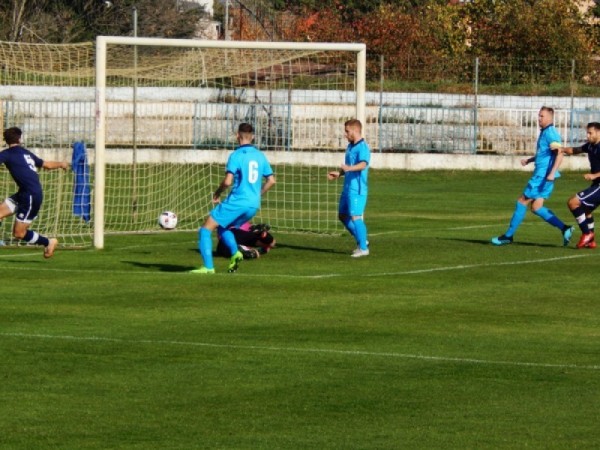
x,y
225,184
52,165
354,168
556,165
333,175
269,183
526,161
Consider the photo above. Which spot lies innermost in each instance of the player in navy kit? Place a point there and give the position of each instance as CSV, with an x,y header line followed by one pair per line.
x,y
585,202
244,172
23,166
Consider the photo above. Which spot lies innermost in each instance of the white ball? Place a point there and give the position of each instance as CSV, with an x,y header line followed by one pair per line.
x,y
167,220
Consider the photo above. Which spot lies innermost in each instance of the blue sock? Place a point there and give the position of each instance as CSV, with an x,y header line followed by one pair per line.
x,y
349,224
361,233
517,218
229,240
549,217
205,247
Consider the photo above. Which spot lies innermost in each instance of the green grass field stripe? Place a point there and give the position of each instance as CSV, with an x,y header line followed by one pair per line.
x,y
306,350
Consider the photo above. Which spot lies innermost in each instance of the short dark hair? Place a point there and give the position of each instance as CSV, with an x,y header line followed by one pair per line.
x,y
353,123
595,125
12,135
547,108
245,128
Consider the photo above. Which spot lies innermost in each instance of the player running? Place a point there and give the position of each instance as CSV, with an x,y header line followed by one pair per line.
x,y
541,184
585,202
22,166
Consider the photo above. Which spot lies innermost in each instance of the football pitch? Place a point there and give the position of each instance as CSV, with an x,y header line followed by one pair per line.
x,y
436,340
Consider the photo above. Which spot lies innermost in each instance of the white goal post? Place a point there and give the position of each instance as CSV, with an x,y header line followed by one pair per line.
x,y
274,75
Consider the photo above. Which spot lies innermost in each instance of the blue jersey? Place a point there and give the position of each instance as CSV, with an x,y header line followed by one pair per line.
x,y
357,182
23,165
248,166
593,152
544,156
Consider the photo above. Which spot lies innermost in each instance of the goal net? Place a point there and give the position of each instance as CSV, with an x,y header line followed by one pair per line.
x,y
161,123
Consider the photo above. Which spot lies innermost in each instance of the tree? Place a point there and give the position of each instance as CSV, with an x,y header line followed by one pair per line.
x,y
532,29
62,21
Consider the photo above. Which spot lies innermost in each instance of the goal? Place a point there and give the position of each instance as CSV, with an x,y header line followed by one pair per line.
x,y
158,120
180,104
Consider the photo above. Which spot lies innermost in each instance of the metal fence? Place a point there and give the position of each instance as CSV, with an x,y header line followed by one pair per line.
x,y
510,129
451,107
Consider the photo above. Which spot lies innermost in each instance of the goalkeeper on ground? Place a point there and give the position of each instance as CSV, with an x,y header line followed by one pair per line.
x,y
252,240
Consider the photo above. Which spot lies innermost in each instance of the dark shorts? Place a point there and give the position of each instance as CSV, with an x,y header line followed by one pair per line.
x,y
247,239
27,205
590,197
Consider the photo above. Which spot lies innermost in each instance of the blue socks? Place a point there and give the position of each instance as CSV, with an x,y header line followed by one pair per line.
x,y
358,230
361,233
229,241
549,217
205,247
517,218
349,224
543,212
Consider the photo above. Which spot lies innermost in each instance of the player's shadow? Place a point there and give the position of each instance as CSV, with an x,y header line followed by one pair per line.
x,y
214,253
292,247
307,249
21,261
161,266
487,242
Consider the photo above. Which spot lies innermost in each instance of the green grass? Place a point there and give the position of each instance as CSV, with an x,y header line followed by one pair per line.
x,y
436,340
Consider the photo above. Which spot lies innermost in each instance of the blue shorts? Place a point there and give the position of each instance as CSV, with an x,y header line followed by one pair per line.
x,y
352,204
228,215
26,205
538,187
590,197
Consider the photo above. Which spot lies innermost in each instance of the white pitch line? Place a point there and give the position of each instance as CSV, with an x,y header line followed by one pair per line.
x,y
394,355
323,275
420,230
477,266
21,255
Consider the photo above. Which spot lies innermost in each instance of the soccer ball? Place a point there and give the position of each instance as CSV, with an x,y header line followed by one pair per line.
x,y
167,220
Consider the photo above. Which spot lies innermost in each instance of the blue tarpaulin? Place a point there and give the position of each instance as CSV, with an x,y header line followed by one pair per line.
x,y
81,186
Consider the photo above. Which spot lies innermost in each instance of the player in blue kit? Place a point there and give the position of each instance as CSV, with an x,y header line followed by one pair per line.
x,y
244,172
585,202
23,166
353,199
541,184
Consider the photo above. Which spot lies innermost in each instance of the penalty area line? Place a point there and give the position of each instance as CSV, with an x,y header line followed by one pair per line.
x,y
477,266
278,349
322,275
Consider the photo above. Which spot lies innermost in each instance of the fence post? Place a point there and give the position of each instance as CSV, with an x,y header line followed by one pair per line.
x,y
379,114
572,112
475,103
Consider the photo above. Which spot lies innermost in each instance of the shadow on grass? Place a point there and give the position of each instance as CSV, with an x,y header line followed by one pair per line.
x,y
514,244
308,249
162,266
